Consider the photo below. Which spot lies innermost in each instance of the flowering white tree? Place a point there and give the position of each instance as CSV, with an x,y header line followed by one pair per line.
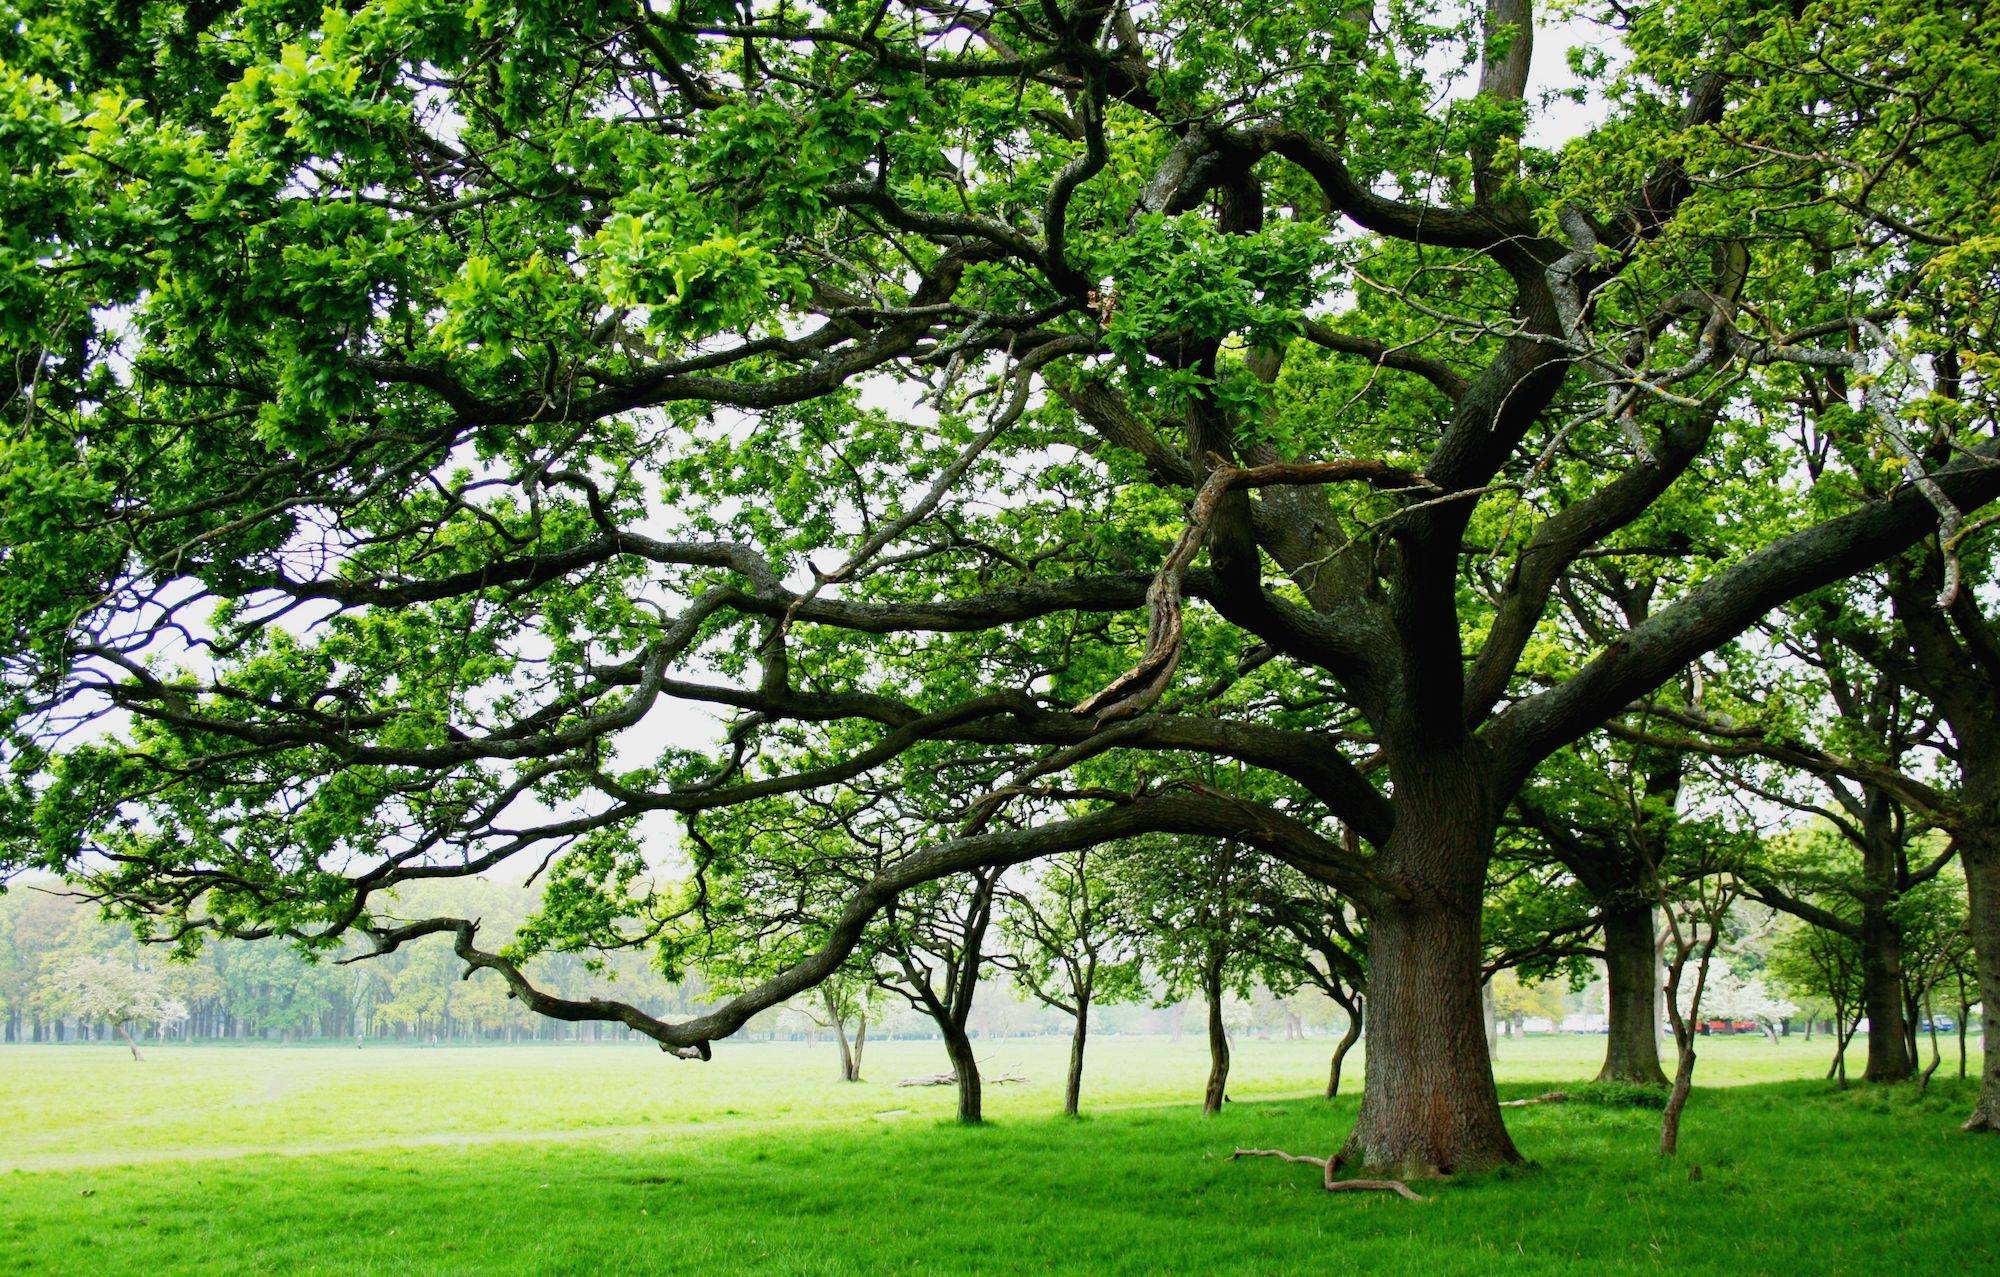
x,y
1730,996
108,990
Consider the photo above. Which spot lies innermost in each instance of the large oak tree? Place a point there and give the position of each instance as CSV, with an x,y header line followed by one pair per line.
x,y
411,406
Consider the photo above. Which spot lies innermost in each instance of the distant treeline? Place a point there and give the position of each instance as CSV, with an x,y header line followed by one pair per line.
x,y
266,991
269,991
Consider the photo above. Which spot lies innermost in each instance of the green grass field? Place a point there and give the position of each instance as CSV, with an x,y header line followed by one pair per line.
x,y
616,1160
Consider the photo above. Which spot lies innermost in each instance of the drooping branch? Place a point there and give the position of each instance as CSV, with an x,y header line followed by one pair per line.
x,y
1139,688
1189,811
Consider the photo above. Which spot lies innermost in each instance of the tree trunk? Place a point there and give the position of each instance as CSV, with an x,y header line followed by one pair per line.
x,y
1981,858
1218,1040
1073,1087
1843,1032
958,1047
1891,1057
1964,1013
1346,1044
839,1026
1937,1057
1632,1045
1670,1121
129,1041
1428,1104
1913,1016
860,1041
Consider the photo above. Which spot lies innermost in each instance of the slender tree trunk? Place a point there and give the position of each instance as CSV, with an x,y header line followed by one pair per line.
x,y
1632,1045
1981,858
1964,1013
860,1041
958,1046
1937,1057
129,1041
1843,1032
1677,1098
1346,1044
1428,1104
839,1026
1073,1086
1218,1038
1684,1034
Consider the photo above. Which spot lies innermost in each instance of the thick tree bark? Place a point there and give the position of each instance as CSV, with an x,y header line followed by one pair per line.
x,y
1980,855
1073,1085
958,1046
1346,1044
1632,1046
1428,1104
1218,1040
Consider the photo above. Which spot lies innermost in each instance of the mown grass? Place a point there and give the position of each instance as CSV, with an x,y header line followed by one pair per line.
x,y
808,1176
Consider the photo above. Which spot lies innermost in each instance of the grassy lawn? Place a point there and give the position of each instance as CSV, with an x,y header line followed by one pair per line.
x,y
613,1160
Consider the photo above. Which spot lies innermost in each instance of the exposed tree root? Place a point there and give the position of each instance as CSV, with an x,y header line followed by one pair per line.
x,y
1546,1097
1328,1165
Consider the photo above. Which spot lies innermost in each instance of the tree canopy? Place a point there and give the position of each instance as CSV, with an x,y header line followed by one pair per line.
x,y
1062,422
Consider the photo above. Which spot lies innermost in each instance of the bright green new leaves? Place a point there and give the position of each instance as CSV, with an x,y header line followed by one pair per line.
x,y
631,435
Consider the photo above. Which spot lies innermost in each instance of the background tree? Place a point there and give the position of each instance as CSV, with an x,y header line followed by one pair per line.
x,y
1072,947
120,995
1902,753
1815,963
1605,813
1194,902
848,1001
1866,848
1517,1000
932,952
1308,937
1695,922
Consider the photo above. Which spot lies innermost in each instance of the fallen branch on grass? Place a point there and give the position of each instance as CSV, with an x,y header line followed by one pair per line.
x,y
1327,1167
1546,1097
951,1079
